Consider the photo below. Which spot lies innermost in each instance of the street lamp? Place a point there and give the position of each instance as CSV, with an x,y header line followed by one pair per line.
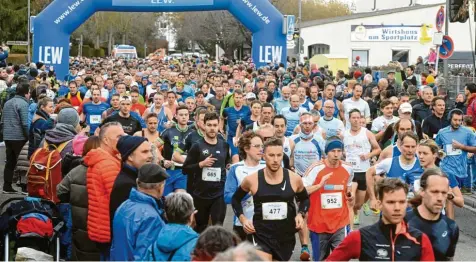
x,y
28,31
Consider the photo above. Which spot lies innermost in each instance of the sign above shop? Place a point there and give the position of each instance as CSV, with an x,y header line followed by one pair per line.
x,y
391,33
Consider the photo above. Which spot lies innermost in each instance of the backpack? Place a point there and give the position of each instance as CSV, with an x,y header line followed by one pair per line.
x,y
7,94
44,173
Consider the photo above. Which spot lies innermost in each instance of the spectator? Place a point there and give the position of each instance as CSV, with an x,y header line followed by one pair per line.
x,y
213,240
40,123
15,132
103,168
242,252
460,102
72,189
176,240
470,92
138,220
3,57
135,152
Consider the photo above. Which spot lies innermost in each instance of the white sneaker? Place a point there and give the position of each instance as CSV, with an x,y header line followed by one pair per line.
x,y
2,144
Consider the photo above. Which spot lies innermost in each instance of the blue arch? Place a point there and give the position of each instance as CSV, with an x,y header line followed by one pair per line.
x,y
54,25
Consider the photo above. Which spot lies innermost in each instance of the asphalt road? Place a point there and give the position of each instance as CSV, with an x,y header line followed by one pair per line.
x,y
465,217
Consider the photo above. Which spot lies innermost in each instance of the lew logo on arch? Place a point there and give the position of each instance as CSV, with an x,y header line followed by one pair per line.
x,y
54,25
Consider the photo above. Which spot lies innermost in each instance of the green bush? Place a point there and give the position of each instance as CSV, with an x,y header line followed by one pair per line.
x,y
99,52
87,51
73,51
19,49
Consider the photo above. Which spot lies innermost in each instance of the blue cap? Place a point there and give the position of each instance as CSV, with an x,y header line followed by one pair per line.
x,y
333,143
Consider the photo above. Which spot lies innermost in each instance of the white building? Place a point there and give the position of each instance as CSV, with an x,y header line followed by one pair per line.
x,y
166,30
399,34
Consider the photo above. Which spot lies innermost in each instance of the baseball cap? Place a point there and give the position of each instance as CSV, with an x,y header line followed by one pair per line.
x,y
152,173
405,108
250,95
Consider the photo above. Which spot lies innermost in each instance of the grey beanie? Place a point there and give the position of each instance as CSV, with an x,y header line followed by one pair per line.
x,y
68,116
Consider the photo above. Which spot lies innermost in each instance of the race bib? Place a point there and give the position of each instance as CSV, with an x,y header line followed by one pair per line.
x,y
95,119
354,161
331,200
275,211
211,174
452,151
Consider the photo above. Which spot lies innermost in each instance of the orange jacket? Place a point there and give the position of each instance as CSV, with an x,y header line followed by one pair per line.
x,y
102,171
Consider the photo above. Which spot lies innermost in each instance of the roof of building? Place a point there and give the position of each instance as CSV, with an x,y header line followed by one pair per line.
x,y
365,15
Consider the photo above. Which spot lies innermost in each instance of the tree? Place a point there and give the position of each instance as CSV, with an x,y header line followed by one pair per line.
x,y
220,27
13,22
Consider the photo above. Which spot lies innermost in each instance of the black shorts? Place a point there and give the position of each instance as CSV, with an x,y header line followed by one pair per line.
x,y
280,249
359,178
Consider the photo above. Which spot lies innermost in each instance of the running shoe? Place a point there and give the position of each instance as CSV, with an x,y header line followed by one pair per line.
x,y
305,254
366,208
357,219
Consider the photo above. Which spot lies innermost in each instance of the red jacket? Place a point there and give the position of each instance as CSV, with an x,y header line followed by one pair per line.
x,y
471,111
380,242
103,169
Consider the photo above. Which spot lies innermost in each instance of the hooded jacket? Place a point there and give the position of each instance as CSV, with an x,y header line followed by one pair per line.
x,y
175,242
72,189
59,134
136,224
39,124
103,169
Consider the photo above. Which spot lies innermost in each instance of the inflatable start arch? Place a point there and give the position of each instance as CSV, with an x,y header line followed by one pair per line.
x,y
54,25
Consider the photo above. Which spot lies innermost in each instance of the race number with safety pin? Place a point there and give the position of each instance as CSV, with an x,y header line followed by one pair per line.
x,y
275,211
95,119
451,151
331,200
211,174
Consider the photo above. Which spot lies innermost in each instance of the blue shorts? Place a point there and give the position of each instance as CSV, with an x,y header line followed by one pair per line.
x,y
233,148
177,180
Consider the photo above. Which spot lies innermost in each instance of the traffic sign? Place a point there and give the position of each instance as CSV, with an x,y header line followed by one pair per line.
x,y
447,47
291,21
17,42
440,19
290,44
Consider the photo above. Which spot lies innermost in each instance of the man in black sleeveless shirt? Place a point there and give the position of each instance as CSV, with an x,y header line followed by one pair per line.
x,y
274,189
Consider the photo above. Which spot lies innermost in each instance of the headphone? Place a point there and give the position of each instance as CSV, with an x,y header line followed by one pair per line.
x,y
452,112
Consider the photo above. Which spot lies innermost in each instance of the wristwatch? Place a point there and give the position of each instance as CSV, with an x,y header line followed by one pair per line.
x,y
451,196
161,163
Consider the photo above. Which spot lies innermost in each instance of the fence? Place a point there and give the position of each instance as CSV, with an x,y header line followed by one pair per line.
x,y
455,84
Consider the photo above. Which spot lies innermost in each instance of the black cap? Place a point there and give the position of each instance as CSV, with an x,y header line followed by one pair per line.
x,y
152,173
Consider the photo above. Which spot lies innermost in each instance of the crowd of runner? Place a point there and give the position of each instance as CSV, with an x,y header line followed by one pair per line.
x,y
154,151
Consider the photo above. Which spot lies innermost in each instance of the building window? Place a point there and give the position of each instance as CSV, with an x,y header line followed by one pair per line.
x,y
363,57
318,49
401,56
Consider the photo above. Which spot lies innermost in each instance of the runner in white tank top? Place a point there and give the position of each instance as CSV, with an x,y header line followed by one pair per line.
x,y
360,146
286,146
355,146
